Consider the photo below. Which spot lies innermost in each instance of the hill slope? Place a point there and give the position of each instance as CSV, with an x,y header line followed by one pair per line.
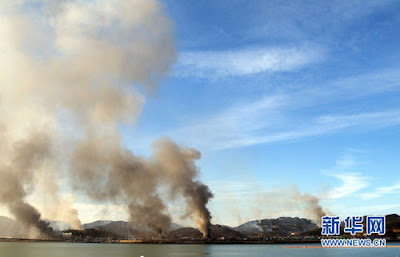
x,y
123,228
282,226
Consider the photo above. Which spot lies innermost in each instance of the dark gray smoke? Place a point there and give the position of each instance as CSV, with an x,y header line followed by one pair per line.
x,y
179,171
72,71
108,172
16,176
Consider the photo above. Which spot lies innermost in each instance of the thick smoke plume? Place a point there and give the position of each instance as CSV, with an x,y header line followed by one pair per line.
x,y
17,174
108,172
70,74
180,173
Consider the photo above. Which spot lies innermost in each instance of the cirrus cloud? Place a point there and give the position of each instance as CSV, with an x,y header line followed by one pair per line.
x,y
245,61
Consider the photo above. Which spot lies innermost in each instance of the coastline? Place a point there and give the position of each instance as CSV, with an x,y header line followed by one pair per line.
x,y
183,242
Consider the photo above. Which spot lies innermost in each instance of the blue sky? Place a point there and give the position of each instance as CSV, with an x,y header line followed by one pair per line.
x,y
283,94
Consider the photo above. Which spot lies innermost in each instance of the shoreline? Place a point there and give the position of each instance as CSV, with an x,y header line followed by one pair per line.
x,y
172,242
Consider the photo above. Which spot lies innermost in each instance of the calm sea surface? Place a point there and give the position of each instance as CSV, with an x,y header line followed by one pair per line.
x,y
137,250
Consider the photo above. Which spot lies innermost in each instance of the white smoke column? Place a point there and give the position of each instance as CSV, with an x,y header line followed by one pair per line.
x,y
72,69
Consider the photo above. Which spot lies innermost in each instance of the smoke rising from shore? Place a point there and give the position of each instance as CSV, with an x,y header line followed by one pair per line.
x,y
71,71
18,173
281,201
181,173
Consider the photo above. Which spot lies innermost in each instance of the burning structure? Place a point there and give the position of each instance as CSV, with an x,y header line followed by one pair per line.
x,y
70,77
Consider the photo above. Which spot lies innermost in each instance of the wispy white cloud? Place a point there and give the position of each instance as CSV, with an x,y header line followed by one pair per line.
x,y
245,61
284,116
233,123
233,129
296,20
368,83
351,181
382,191
325,125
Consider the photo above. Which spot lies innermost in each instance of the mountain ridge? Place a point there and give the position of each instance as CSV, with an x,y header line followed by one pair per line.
x,y
279,227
